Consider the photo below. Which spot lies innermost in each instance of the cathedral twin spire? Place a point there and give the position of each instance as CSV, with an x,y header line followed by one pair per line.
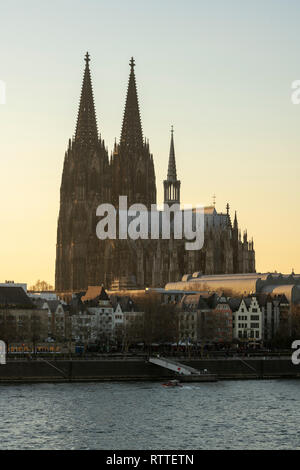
x,y
86,127
132,134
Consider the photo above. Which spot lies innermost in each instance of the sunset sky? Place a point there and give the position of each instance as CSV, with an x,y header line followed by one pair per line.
x,y
220,71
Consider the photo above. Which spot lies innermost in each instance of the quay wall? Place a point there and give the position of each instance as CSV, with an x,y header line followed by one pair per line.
x,y
139,369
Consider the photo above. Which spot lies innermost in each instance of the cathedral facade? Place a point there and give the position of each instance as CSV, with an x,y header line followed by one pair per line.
x,y
92,177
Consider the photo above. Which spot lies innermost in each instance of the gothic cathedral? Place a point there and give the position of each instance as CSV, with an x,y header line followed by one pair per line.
x,y
90,178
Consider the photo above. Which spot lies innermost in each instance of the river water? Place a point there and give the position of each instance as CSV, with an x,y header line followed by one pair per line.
x,y
246,414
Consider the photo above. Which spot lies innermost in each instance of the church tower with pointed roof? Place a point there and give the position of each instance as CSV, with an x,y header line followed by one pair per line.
x,y
86,128
84,184
133,172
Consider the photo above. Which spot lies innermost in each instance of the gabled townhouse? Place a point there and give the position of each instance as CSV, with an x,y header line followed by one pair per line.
x,y
97,317
57,316
247,319
128,320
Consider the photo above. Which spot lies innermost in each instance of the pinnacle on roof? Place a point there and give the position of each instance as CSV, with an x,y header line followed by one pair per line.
x,y
172,176
235,224
132,134
228,214
86,127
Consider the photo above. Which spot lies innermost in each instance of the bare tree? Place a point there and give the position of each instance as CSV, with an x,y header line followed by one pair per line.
x,y
160,320
41,286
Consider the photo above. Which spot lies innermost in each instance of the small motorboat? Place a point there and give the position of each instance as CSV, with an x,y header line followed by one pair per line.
x,y
172,383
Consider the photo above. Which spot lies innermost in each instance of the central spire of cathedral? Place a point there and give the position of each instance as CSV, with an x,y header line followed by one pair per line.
x,y
132,134
171,184
172,164
86,127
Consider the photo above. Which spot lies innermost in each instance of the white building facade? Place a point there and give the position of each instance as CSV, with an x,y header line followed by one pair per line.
x,y
247,320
